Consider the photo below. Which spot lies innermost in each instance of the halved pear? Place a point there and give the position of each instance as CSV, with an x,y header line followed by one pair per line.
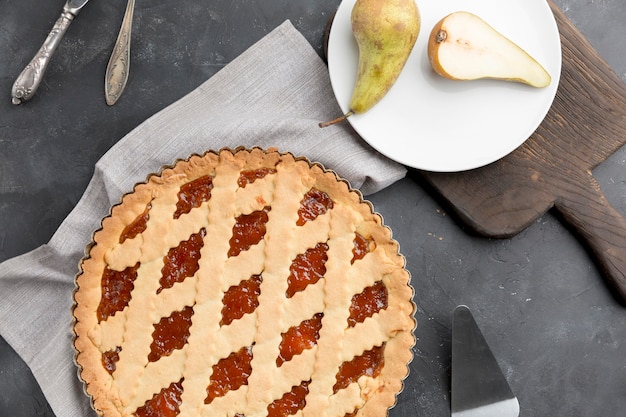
x,y
462,46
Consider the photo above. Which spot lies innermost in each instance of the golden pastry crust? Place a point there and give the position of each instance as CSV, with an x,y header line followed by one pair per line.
x,y
150,221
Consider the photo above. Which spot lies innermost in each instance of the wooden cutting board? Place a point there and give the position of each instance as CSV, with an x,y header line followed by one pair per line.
x,y
553,168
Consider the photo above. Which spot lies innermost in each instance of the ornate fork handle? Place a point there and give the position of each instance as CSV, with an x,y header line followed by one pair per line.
x,y
119,63
29,79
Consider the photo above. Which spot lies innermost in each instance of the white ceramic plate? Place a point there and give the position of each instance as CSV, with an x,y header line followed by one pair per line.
x,y
435,124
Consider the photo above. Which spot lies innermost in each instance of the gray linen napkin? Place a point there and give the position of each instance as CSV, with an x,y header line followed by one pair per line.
x,y
274,94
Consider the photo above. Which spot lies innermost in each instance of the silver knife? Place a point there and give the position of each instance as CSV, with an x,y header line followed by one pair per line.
x,y
28,81
479,389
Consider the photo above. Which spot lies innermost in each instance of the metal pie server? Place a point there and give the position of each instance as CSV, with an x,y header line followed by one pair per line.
x,y
28,81
479,389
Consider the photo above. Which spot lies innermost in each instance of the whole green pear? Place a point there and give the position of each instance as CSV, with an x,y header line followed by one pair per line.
x,y
385,33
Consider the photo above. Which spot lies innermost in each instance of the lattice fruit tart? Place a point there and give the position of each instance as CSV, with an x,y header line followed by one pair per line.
x,y
243,283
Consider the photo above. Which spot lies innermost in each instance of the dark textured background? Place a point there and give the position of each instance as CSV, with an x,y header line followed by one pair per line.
x,y
558,334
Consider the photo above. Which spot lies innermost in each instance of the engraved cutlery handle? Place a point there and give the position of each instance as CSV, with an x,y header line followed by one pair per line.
x,y
119,63
28,81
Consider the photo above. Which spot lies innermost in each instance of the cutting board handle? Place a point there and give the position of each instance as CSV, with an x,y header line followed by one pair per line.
x,y
584,206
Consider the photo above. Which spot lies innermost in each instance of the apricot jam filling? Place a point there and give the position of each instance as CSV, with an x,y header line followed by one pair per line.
x,y
116,288
367,303
170,334
193,194
362,246
307,268
241,299
290,402
164,404
110,358
182,261
313,204
248,230
299,338
230,373
370,363
249,176
138,225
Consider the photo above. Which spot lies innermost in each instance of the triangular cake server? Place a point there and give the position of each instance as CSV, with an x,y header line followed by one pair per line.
x,y
479,388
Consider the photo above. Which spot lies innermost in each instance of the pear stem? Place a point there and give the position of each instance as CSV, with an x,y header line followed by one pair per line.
x,y
337,120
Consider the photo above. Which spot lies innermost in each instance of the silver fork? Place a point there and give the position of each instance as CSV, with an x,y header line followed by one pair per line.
x,y
119,63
